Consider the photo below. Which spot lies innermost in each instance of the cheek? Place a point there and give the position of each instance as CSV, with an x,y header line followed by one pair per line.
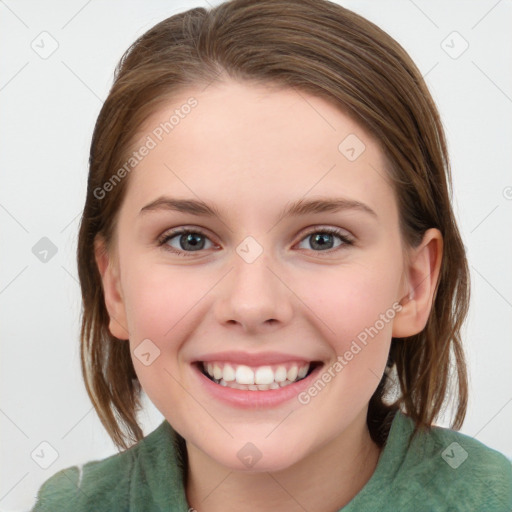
x,y
158,298
355,306
160,313
352,302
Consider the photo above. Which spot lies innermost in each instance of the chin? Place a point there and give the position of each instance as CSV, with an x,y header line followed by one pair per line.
x,y
257,456
268,463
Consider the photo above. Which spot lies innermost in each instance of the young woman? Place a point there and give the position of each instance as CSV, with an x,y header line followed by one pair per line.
x,y
269,252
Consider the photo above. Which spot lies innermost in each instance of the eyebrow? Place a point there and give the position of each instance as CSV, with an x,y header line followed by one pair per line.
x,y
296,208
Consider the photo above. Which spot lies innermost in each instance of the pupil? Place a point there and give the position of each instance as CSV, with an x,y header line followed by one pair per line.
x,y
195,241
191,239
320,240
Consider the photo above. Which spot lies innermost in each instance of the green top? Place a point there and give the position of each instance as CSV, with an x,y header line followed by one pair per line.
x,y
442,470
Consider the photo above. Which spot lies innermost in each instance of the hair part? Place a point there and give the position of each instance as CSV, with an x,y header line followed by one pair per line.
x,y
316,47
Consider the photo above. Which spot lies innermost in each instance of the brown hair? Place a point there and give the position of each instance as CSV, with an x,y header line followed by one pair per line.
x,y
321,48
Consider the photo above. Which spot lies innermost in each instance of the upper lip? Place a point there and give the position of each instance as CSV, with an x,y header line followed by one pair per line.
x,y
255,359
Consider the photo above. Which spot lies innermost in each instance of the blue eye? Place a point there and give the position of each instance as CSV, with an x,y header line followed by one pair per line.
x,y
190,241
324,238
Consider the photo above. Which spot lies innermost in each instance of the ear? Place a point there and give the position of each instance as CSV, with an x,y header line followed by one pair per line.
x,y
422,274
112,292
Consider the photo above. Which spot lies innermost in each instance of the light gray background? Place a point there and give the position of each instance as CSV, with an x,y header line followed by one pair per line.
x,y
48,110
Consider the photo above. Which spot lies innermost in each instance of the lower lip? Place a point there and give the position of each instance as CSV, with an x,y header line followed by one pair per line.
x,y
255,399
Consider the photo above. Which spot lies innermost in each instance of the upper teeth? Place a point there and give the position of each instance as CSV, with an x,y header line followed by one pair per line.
x,y
243,374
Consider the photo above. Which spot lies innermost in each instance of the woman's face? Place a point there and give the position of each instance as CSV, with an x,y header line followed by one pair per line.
x,y
259,294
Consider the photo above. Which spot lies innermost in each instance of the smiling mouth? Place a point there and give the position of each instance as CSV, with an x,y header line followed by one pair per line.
x,y
259,378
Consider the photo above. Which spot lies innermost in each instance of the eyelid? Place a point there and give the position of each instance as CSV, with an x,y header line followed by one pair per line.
x,y
341,232
173,232
344,235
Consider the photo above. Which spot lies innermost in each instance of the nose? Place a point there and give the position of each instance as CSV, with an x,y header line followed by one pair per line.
x,y
253,297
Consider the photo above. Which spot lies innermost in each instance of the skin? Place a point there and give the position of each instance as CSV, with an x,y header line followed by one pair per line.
x,y
250,150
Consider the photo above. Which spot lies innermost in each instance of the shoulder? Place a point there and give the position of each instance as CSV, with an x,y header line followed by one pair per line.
x,y
79,487
461,470
98,485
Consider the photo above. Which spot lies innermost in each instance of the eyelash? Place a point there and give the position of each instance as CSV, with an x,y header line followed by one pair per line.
x,y
162,242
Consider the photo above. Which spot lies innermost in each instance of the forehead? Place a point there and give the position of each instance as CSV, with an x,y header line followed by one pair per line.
x,y
253,145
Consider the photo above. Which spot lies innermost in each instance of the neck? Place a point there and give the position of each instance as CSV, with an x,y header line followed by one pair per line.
x,y
325,480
